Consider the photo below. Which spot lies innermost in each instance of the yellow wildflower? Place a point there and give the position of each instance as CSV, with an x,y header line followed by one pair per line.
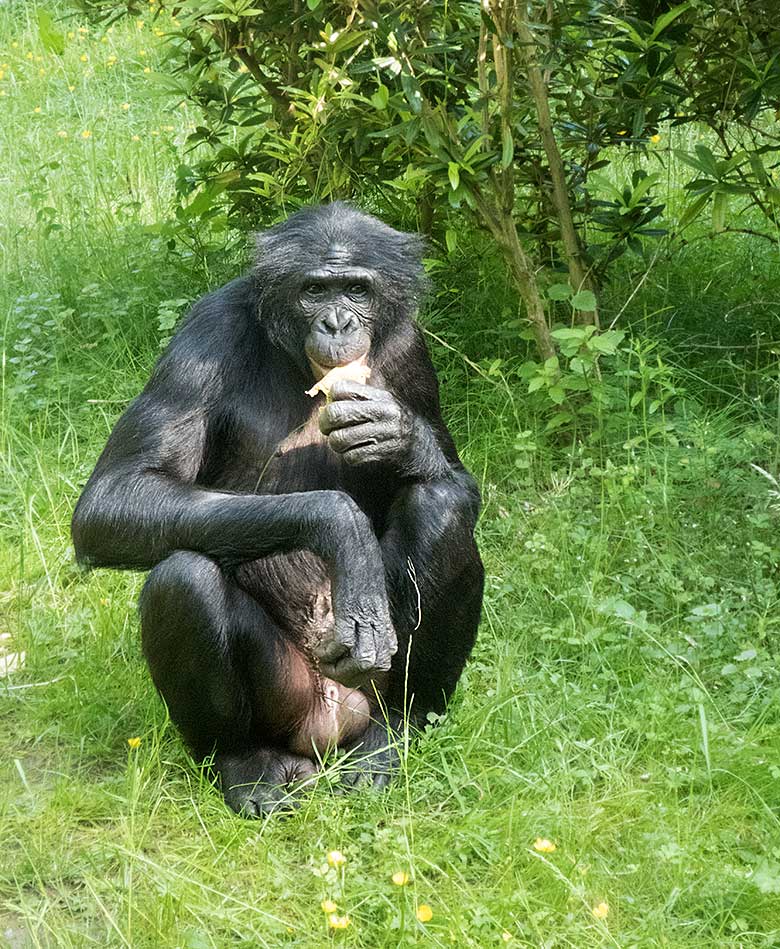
x,y
147,69
601,910
134,742
139,24
71,88
142,52
338,922
506,936
86,134
2,92
29,55
400,878
622,132
655,139
336,858
37,110
543,845
84,58
125,106
71,35
328,906
41,72
83,29
15,45
103,39
136,138
424,913
62,133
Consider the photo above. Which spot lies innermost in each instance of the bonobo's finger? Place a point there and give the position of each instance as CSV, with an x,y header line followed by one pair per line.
x,y
343,414
345,439
372,453
347,389
330,650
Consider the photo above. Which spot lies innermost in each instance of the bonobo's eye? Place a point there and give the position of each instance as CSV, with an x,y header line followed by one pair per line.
x,y
358,290
313,289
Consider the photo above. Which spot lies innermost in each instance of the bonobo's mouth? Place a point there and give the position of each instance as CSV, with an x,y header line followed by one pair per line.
x,y
322,362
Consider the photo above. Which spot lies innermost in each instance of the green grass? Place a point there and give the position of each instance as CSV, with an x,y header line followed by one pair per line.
x,y
623,699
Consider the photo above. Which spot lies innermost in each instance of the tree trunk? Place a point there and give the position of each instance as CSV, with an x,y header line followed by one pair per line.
x,y
502,226
578,273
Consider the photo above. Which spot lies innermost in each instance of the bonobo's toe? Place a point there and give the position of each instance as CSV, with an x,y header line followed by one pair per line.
x,y
373,760
263,781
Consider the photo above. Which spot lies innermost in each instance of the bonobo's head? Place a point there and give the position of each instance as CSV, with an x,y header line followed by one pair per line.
x,y
334,283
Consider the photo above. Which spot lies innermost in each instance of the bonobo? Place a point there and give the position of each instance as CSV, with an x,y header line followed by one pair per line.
x,y
314,576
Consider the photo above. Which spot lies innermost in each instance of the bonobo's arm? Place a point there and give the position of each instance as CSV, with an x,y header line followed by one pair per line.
x,y
427,540
395,424
142,503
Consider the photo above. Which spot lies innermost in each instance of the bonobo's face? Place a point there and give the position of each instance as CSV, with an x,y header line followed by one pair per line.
x,y
337,304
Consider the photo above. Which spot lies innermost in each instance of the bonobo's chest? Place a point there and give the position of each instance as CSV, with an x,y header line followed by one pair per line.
x,y
270,446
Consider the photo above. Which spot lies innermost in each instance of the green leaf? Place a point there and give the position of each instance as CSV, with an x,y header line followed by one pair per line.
x,y
559,291
412,92
667,18
52,39
451,240
560,418
642,188
507,147
453,173
380,98
693,210
313,4
585,300
719,208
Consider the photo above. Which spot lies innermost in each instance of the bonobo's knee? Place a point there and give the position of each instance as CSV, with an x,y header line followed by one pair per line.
x,y
444,503
180,580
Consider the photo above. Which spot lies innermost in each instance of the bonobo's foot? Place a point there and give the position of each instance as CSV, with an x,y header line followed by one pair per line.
x,y
262,781
374,759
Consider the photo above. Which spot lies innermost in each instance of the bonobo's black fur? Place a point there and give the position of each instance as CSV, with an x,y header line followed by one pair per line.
x,y
310,564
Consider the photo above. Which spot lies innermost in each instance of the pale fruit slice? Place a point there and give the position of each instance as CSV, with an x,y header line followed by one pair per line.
x,y
356,371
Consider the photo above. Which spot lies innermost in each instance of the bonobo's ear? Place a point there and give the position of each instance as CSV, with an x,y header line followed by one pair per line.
x,y
306,239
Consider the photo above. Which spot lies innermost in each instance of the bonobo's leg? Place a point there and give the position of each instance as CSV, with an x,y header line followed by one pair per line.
x,y
234,684
434,579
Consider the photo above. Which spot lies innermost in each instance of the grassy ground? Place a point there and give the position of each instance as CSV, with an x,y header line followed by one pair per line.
x,y
623,700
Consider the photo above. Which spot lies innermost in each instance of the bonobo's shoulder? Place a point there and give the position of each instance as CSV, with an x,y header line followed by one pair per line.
x,y
220,323
233,305
214,340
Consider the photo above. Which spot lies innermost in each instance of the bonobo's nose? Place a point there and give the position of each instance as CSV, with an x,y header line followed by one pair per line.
x,y
339,321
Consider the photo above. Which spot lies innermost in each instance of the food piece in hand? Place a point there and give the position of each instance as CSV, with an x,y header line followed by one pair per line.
x,y
357,371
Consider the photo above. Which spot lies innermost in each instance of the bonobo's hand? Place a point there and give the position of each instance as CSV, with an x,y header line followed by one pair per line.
x,y
365,424
362,641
